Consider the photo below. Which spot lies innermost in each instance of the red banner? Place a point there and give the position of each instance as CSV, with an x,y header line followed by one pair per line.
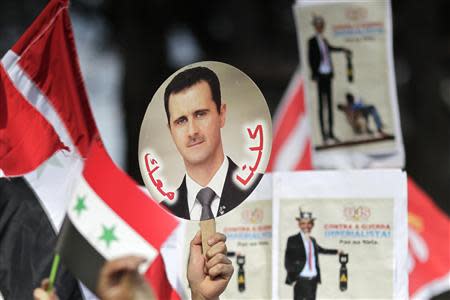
x,y
429,245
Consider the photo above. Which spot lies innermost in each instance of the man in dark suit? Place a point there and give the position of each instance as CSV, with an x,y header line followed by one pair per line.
x,y
301,259
195,116
321,65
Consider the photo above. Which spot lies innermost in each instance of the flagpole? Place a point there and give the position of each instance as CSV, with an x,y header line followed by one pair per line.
x,y
53,272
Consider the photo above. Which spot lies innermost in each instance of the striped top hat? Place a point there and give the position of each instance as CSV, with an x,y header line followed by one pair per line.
x,y
305,215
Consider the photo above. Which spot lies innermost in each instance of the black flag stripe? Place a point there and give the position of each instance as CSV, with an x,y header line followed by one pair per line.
x,y
78,255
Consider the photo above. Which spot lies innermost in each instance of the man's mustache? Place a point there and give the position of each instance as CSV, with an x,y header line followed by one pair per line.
x,y
193,140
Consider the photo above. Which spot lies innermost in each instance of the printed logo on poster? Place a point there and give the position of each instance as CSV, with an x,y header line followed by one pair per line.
x,y
356,13
359,213
252,216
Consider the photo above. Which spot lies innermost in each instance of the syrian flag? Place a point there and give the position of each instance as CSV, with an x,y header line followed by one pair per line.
x,y
429,228
46,131
108,217
46,128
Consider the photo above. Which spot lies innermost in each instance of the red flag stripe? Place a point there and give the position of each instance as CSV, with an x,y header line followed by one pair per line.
x,y
50,41
34,97
286,101
157,277
305,162
39,25
292,111
293,150
25,129
120,193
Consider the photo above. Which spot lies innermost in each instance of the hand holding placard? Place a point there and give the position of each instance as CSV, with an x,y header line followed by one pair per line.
x,y
209,271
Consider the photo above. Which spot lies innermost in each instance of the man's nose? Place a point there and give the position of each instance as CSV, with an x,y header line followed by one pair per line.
x,y
192,128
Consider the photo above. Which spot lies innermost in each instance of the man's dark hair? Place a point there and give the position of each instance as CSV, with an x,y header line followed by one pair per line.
x,y
188,78
350,98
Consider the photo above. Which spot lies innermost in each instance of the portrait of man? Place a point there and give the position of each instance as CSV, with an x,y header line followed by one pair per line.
x,y
301,259
322,72
195,117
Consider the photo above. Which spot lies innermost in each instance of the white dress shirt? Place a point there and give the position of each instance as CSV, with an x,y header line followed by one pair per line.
x,y
216,184
307,272
325,64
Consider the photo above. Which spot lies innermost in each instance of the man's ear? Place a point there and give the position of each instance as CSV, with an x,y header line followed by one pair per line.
x,y
223,114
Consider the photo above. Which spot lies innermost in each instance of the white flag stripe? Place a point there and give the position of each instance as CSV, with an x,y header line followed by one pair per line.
x,y
91,221
433,288
294,146
51,192
287,99
35,97
53,182
10,58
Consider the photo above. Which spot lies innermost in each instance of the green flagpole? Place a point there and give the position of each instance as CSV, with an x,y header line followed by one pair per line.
x,y
53,272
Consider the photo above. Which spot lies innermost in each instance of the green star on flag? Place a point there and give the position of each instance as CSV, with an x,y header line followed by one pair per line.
x,y
108,235
80,206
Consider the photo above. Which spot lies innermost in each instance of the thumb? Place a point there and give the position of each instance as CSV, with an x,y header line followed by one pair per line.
x,y
196,245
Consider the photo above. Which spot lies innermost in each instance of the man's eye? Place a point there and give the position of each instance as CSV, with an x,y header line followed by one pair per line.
x,y
200,114
180,121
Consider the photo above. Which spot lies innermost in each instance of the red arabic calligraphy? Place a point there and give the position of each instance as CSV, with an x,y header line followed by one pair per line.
x,y
156,182
257,132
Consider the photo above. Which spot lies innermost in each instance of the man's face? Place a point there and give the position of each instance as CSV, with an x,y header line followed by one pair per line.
x,y
195,124
305,226
319,26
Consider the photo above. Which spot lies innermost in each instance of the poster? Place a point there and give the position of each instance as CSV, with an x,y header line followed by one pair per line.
x,y
362,214
208,125
347,62
359,214
249,243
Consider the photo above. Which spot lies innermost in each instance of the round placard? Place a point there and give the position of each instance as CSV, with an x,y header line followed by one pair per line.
x,y
205,140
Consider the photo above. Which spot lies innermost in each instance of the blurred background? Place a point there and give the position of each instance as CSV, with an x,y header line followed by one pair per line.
x,y
127,49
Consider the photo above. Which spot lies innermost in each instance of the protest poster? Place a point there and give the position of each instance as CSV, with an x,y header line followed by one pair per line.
x,y
347,62
358,233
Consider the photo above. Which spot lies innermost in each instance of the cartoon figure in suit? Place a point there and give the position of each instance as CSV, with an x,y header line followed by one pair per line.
x,y
321,65
301,259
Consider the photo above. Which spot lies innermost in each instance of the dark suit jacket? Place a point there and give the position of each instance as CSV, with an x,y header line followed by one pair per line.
x,y
315,56
27,244
231,196
295,257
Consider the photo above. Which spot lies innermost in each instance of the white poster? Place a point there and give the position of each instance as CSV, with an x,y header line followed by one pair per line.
x,y
341,234
347,63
